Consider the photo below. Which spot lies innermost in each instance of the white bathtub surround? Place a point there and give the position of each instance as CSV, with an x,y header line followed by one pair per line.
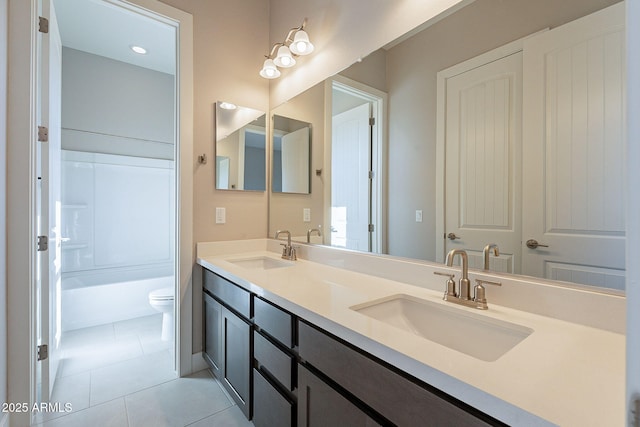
x,y
118,240
97,298
576,348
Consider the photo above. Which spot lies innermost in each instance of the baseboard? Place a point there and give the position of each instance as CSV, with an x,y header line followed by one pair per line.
x,y
197,364
4,419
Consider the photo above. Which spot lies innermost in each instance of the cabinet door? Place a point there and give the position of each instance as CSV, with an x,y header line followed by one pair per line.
x,y
237,359
319,405
270,407
213,343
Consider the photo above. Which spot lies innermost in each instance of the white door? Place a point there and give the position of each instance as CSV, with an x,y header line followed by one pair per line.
x,y
573,129
482,162
295,161
350,165
49,203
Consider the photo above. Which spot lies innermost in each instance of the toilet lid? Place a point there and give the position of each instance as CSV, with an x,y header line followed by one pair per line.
x,y
161,294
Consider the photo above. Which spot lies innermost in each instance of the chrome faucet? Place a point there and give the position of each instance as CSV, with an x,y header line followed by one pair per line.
x,y
479,299
288,251
465,285
485,253
312,230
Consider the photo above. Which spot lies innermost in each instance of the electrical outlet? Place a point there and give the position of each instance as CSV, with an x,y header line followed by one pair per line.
x,y
221,215
306,215
419,215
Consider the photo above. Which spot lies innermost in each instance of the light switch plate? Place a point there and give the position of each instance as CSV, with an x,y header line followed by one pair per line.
x,y
419,215
306,214
221,215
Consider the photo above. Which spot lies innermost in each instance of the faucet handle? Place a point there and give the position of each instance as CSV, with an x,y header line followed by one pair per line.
x,y
479,293
451,284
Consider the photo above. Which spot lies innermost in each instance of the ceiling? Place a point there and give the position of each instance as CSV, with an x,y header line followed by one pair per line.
x,y
102,28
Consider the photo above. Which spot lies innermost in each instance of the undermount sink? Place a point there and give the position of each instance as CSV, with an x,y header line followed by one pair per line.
x,y
260,262
474,334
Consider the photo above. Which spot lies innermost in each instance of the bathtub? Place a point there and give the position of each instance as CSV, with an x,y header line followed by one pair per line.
x,y
96,297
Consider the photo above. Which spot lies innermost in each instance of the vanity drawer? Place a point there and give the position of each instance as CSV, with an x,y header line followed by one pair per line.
x,y
228,293
274,321
277,362
398,397
270,408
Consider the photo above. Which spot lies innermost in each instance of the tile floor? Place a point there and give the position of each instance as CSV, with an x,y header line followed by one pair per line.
x,y
121,374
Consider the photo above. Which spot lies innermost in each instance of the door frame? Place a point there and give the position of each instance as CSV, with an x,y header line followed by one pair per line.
x,y
378,99
441,108
21,167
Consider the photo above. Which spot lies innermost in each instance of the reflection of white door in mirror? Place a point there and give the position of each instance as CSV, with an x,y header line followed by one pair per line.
x,y
350,154
573,136
295,161
483,139
222,172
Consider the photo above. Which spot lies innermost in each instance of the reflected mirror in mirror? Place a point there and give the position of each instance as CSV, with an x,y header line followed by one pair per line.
x,y
291,155
457,162
240,148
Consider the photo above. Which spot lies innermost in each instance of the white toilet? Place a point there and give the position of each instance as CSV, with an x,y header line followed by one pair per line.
x,y
162,300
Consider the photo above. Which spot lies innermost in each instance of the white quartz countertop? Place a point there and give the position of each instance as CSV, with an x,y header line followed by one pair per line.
x,y
563,373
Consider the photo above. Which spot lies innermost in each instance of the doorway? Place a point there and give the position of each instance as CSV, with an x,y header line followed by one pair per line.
x,y
355,123
108,315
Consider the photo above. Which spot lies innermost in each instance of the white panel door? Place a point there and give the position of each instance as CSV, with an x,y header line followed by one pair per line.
x,y
573,129
482,155
350,159
49,204
295,161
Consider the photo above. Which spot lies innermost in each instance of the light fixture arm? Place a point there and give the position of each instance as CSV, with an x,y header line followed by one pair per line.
x,y
282,53
293,31
273,50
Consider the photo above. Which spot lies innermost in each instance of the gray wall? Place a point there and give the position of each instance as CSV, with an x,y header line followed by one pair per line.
x,y
112,107
412,67
3,207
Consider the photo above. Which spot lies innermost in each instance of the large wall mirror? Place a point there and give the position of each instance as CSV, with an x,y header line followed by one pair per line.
x,y
461,141
240,148
291,147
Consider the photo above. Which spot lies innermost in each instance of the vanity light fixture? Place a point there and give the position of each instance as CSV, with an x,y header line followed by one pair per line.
x,y
138,49
283,54
228,106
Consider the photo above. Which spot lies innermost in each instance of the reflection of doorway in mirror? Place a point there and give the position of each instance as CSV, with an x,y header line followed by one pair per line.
x,y
222,172
356,143
350,153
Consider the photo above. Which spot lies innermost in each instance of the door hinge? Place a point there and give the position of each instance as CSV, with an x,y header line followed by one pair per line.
x,y
43,133
634,419
371,228
372,121
43,25
371,174
43,352
43,243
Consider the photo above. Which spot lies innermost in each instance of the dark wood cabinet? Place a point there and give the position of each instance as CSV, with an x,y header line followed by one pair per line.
x,y
397,397
236,334
271,408
228,337
274,380
284,371
213,342
320,405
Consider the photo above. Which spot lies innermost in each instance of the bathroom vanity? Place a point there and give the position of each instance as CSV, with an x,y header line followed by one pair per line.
x,y
316,342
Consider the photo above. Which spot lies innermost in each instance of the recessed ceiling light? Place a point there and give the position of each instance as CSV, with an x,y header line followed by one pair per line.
x,y
228,106
139,49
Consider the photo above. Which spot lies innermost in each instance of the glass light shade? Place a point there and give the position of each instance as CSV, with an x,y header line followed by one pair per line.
x,y
301,44
284,58
269,70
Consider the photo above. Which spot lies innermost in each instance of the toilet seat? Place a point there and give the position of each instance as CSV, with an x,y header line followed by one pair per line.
x,y
164,294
